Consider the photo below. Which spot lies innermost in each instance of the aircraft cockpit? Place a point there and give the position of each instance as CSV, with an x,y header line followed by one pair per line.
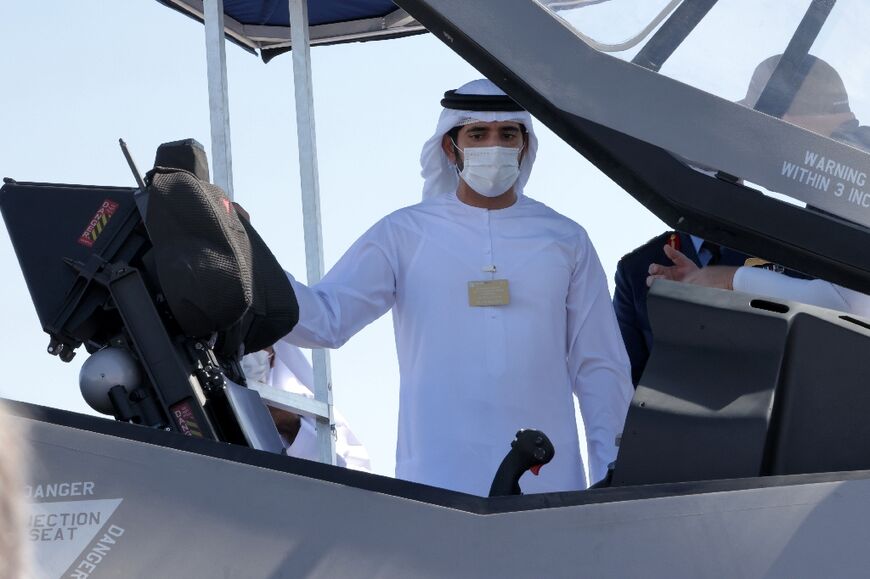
x,y
735,121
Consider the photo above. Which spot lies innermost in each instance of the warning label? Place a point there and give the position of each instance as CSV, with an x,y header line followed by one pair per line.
x,y
88,563
61,533
61,526
98,223
829,176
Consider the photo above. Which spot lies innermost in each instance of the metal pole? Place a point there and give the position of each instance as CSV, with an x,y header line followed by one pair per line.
x,y
218,99
302,84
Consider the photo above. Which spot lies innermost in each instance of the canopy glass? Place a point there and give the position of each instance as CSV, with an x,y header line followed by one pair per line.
x,y
732,51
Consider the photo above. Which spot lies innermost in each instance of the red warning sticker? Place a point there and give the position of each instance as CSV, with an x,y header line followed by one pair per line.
x,y
182,412
98,223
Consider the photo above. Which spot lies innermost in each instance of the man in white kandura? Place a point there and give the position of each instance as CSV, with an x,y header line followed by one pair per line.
x,y
500,309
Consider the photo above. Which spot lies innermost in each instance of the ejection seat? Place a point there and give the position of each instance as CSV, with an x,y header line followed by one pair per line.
x,y
167,286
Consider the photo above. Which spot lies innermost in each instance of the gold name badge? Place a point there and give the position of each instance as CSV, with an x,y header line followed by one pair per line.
x,y
489,293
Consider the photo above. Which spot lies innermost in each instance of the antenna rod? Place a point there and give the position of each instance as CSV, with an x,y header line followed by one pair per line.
x,y
132,164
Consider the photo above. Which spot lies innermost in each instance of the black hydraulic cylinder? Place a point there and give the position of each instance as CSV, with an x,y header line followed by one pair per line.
x,y
159,355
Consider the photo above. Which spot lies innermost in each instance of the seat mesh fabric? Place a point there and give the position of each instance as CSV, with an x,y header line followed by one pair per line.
x,y
202,251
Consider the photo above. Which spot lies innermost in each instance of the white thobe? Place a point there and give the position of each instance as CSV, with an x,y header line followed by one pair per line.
x,y
472,376
292,373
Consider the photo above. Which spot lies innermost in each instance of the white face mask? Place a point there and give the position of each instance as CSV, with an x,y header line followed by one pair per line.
x,y
490,171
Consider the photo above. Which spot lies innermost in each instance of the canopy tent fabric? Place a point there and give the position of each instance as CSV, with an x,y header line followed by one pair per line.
x,y
276,12
264,25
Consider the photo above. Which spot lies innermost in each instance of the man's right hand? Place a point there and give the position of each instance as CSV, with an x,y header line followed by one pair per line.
x,y
685,270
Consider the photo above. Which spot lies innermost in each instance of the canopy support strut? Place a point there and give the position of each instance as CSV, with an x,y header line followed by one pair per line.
x,y
218,98
302,84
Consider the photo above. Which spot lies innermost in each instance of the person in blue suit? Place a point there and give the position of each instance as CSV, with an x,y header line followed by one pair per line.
x,y
629,299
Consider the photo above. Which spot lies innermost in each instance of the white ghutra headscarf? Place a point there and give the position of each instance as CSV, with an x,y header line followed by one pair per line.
x,y
439,174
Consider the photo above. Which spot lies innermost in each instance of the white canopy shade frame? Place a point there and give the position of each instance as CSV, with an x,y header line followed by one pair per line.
x,y
300,36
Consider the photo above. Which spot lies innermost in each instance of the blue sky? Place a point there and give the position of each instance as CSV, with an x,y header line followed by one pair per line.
x,y
79,75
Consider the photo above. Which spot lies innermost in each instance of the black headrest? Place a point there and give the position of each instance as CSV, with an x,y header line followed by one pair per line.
x,y
187,154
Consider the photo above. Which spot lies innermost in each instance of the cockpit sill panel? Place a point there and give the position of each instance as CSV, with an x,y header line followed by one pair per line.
x,y
404,489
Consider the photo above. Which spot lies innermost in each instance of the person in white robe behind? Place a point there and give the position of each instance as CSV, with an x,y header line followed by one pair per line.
x,y
287,368
500,309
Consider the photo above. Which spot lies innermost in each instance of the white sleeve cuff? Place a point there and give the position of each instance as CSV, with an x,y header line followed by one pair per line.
x,y
764,282
740,283
815,292
305,444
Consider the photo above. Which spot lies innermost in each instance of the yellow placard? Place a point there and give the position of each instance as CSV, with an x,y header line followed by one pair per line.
x,y
489,293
